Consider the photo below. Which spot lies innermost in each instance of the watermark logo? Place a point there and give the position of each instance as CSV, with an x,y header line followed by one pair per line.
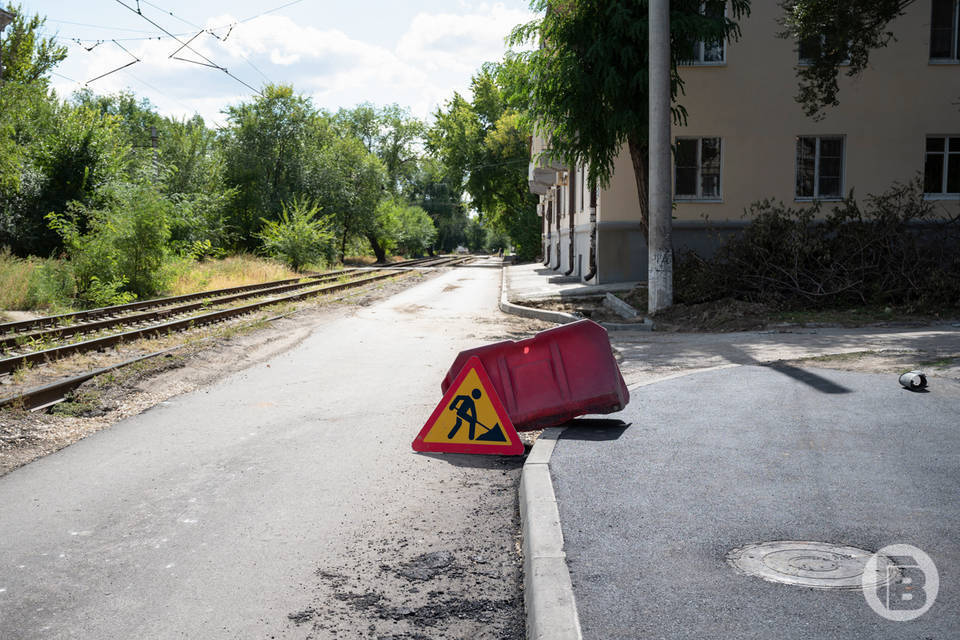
x,y
910,587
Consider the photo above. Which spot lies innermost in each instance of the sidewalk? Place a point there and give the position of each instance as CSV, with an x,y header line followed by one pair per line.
x,y
715,452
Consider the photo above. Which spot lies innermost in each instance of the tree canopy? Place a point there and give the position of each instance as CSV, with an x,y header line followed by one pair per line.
x,y
834,34
590,94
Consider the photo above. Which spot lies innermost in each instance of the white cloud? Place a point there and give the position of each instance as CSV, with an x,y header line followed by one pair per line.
x,y
435,56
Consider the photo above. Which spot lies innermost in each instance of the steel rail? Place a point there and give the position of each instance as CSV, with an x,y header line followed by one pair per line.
x,y
10,327
18,340
55,392
140,305
10,364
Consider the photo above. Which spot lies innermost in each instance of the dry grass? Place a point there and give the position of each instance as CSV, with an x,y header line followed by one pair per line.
x,y
189,276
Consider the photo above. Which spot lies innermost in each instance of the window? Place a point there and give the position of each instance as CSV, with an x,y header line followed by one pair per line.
x,y
707,53
941,167
819,167
697,169
811,48
944,31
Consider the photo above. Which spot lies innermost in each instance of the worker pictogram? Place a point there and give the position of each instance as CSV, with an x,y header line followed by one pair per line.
x,y
470,418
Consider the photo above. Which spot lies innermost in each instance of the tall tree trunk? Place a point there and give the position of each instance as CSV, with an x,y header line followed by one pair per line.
x,y
378,250
343,246
639,155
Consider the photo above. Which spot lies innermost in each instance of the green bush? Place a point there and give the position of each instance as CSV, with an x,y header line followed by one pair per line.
x,y
298,237
893,251
121,253
52,285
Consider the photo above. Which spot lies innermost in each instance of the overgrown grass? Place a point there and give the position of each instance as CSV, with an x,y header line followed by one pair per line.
x,y
28,284
46,285
188,276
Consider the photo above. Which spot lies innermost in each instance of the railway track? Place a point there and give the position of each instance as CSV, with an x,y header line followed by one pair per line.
x,y
43,340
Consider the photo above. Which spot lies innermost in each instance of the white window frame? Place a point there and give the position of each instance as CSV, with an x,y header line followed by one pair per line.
x,y
816,169
700,46
943,193
699,197
954,57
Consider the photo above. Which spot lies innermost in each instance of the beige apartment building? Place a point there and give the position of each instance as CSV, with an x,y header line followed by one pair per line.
x,y
747,139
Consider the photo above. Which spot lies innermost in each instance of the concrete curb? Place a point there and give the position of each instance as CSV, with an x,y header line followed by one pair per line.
x,y
548,590
528,312
559,317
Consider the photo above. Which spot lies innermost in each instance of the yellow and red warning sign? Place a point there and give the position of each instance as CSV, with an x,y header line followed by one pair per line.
x,y
470,418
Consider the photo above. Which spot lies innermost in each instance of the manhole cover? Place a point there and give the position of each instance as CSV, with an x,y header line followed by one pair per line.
x,y
811,564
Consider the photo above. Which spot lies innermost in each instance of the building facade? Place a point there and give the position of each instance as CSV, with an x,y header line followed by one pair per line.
x,y
747,139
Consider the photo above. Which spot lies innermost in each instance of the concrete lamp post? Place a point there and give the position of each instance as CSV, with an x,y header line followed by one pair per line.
x,y
660,246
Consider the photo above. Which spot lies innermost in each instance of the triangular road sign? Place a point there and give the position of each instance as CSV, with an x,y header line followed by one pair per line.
x,y
470,418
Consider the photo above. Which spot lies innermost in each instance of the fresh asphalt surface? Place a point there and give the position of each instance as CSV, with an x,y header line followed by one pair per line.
x,y
720,459
222,512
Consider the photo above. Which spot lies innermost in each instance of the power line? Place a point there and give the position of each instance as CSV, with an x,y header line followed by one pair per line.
x,y
104,75
185,45
97,26
172,15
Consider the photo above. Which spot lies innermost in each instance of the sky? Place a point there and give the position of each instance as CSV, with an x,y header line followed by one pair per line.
x,y
415,53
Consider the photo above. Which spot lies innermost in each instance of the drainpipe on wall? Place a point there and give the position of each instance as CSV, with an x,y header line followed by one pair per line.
x,y
548,217
572,189
593,236
556,193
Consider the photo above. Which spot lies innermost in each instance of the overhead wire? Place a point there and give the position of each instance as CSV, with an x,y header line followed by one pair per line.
x,y
104,75
210,62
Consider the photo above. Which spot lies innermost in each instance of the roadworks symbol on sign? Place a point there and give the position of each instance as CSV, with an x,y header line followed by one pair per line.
x,y
470,418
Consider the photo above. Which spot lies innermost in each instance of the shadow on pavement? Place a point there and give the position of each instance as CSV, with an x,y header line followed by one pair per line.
x,y
595,429
810,378
473,461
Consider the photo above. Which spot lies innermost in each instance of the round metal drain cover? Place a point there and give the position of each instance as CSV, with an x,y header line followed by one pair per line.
x,y
811,564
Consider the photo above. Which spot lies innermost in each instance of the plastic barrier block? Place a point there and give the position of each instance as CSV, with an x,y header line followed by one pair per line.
x,y
554,376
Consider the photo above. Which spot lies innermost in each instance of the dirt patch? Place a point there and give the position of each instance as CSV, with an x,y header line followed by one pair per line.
x,y
720,316
204,356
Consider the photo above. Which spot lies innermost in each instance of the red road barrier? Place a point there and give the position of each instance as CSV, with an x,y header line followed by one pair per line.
x,y
552,377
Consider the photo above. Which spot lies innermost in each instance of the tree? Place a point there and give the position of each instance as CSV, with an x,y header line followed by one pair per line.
x,y
590,75
348,181
832,34
391,133
442,198
27,58
483,144
298,238
269,145
403,228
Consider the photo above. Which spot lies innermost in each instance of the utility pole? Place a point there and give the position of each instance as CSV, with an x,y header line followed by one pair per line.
x,y
660,245
5,18
156,159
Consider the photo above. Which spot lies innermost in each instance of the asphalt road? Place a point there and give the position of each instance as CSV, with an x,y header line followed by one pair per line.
x,y
717,460
284,501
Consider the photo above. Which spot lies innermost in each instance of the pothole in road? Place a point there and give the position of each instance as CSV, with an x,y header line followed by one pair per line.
x,y
819,565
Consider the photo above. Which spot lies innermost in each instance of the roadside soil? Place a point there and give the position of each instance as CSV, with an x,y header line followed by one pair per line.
x,y
201,356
